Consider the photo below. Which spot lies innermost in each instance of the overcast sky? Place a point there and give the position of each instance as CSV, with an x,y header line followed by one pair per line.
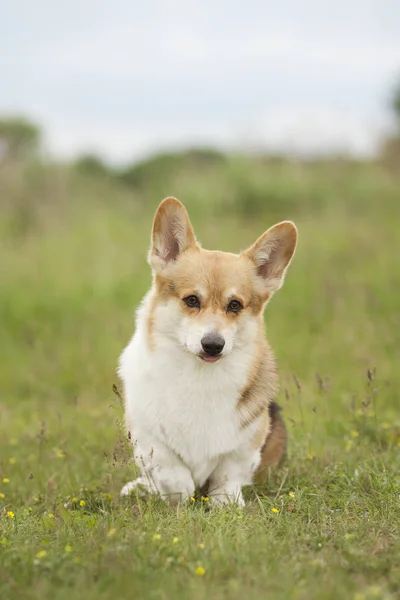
x,y
125,78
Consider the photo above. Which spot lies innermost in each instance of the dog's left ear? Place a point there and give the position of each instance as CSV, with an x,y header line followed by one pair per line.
x,y
272,253
172,234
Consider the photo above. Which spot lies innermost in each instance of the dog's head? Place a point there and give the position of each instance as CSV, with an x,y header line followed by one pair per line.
x,y
211,302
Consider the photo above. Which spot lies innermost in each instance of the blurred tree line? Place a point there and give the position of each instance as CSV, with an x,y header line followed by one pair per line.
x,y
390,153
21,141
396,105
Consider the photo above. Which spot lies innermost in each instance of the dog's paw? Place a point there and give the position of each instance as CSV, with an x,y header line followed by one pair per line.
x,y
139,486
220,498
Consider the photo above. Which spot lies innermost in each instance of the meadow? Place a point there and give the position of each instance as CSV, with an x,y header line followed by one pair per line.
x,y
73,245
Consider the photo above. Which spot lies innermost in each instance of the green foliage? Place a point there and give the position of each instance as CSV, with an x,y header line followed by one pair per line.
x,y
91,166
71,278
390,151
158,170
396,104
19,138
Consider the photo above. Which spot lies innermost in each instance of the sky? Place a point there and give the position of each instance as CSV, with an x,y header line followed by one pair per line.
x,y
127,78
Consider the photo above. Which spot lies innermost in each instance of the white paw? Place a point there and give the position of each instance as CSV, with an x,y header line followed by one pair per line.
x,y
175,485
224,497
140,486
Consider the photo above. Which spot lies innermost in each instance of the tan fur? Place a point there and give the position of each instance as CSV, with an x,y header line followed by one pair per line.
x,y
274,434
150,322
261,388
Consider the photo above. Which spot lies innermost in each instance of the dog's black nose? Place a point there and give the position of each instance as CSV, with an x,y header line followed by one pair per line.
x,y
213,344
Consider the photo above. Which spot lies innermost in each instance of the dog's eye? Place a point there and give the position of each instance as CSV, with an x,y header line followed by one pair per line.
x,y
234,306
192,301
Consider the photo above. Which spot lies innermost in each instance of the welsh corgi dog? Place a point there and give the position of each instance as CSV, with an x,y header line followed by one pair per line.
x,y
199,377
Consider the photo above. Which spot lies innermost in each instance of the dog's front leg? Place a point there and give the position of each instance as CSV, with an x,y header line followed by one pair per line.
x,y
163,472
232,472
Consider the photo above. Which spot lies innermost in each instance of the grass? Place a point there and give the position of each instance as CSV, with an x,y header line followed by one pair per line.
x,y
73,254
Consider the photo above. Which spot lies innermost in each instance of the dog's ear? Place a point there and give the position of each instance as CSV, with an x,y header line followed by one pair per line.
x,y
272,253
172,233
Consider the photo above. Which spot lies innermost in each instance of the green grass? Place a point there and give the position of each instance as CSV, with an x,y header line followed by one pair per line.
x,y
73,254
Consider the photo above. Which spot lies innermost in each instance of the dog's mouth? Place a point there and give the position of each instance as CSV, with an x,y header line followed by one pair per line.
x,y
209,357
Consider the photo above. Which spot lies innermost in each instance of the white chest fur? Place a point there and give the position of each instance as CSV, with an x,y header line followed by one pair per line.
x,y
187,404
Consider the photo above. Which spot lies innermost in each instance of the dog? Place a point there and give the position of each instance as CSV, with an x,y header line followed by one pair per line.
x,y
199,377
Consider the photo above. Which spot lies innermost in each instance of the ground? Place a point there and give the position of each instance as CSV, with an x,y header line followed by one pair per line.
x,y
326,525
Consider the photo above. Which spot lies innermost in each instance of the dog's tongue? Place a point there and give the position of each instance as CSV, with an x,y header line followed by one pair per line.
x,y
210,358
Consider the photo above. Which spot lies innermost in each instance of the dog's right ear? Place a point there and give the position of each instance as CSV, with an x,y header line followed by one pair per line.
x,y
172,234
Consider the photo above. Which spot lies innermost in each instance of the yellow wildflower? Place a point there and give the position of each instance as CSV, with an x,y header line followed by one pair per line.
x,y
51,516
311,457
10,514
6,480
205,498
68,548
292,494
12,460
111,532
60,454
2,496
354,433
75,500
175,540
348,536
192,499
275,510
82,503
41,554
201,546
156,536
200,571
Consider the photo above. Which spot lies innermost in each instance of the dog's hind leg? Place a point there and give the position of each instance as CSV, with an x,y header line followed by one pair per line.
x,y
274,449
